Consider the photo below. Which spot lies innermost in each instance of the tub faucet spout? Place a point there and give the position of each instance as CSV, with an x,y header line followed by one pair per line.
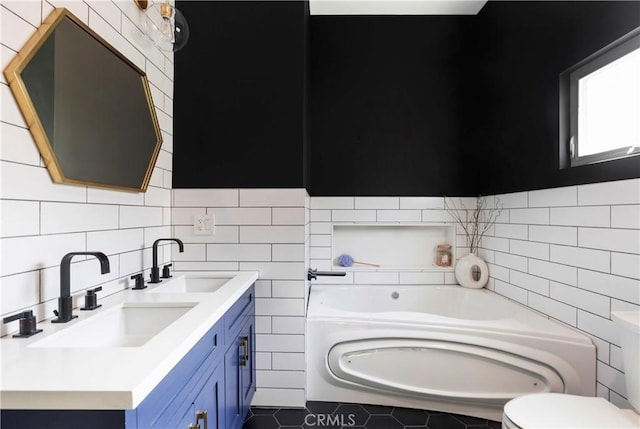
x,y
155,270
313,274
65,307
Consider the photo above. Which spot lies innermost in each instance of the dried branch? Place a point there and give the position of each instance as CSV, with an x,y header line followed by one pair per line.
x,y
479,220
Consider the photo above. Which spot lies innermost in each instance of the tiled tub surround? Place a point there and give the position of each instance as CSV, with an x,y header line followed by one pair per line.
x,y
573,253
263,230
41,221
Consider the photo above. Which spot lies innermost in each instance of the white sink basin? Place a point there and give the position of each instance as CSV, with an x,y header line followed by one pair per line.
x,y
191,284
126,325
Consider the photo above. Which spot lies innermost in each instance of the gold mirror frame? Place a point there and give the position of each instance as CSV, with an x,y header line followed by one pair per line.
x,y
110,161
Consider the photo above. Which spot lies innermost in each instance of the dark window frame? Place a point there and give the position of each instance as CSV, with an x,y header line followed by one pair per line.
x,y
569,138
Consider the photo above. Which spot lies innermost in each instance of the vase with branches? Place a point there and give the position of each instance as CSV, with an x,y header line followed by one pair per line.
x,y
475,222
471,271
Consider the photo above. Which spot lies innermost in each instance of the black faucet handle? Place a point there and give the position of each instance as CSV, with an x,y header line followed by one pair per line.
x,y
91,299
27,323
18,316
139,279
166,273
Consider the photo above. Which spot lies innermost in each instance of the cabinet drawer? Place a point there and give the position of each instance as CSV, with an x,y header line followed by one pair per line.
x,y
165,399
238,314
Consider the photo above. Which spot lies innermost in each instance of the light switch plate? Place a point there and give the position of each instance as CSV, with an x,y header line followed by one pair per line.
x,y
204,225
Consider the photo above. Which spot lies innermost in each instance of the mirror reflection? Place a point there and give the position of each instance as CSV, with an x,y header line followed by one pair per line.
x,y
89,108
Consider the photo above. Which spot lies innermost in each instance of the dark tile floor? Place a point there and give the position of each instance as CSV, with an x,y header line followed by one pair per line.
x,y
325,415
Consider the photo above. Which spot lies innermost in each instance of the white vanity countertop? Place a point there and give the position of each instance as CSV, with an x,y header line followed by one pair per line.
x,y
110,377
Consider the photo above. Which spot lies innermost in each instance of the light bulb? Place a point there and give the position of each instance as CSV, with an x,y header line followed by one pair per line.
x,y
166,29
166,26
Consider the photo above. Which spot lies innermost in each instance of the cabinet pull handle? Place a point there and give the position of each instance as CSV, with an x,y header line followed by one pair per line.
x,y
202,415
244,343
247,346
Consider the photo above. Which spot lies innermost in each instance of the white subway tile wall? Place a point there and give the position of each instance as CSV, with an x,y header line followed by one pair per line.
x,y
263,230
578,259
40,221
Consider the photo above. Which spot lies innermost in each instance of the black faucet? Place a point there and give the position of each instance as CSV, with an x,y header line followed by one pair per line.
x,y
155,270
65,306
313,274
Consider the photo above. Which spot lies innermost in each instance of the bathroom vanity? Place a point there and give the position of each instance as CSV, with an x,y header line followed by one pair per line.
x,y
176,355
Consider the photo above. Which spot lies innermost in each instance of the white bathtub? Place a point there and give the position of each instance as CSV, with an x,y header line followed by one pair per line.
x,y
443,348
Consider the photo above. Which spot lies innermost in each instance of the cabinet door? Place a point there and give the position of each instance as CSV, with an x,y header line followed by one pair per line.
x,y
248,370
240,375
209,409
171,400
188,420
204,410
232,386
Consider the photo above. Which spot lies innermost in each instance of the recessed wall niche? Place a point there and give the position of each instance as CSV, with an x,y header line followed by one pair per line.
x,y
392,246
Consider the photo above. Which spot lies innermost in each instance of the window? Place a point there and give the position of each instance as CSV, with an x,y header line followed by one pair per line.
x,y
600,105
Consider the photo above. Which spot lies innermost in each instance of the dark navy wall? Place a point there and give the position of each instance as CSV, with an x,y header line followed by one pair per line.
x,y
384,105
528,44
239,95
452,105
393,105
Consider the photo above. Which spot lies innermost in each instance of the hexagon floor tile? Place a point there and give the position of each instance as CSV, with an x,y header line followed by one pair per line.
x,y
333,415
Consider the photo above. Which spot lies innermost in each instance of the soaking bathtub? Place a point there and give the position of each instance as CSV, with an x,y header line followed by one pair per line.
x,y
442,348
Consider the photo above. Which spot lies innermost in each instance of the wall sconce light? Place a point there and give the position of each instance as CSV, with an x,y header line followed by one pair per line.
x,y
165,25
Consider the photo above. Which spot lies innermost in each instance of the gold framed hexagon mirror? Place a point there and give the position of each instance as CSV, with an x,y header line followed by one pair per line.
x,y
87,106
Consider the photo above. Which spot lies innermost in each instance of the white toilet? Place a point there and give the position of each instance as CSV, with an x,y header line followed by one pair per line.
x,y
557,410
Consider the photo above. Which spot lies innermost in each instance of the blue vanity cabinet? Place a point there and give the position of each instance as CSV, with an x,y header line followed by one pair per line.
x,y
195,384
239,360
197,391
